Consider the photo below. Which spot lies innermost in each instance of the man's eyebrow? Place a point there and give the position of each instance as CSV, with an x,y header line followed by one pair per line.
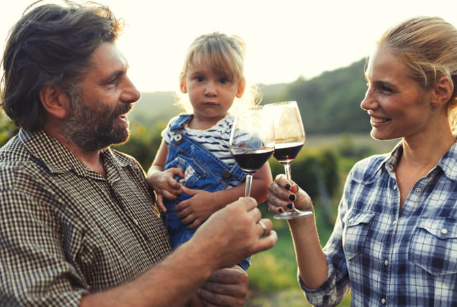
x,y
114,75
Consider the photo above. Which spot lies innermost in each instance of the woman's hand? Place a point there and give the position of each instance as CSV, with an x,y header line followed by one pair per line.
x,y
283,195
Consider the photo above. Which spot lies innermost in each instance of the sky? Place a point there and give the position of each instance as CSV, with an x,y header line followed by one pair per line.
x,y
285,39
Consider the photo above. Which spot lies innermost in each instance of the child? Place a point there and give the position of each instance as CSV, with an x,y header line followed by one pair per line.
x,y
194,173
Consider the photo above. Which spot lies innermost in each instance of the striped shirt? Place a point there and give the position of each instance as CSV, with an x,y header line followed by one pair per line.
x,y
392,257
66,231
215,139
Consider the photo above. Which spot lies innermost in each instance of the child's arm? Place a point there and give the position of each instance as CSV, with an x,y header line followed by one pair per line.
x,y
194,211
161,181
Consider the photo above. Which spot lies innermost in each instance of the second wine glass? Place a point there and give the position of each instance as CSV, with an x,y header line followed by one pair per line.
x,y
289,139
252,141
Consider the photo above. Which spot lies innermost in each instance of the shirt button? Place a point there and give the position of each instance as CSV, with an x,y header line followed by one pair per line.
x,y
417,190
395,187
394,222
226,174
386,262
383,301
444,231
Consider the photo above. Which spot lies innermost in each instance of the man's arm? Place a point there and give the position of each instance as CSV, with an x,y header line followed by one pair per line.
x,y
229,235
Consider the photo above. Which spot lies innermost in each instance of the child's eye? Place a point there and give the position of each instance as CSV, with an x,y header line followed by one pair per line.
x,y
223,80
199,78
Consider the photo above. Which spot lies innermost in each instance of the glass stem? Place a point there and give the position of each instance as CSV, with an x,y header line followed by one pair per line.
x,y
247,187
287,171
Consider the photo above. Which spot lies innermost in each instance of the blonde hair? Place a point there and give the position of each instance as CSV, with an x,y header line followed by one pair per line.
x,y
226,55
428,48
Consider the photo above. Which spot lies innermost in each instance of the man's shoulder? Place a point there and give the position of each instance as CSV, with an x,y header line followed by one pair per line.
x,y
16,165
13,153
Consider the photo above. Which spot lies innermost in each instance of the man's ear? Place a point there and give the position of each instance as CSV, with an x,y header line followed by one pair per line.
x,y
55,101
443,91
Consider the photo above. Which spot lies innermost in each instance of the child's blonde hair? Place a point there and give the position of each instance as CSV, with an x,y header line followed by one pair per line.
x,y
226,55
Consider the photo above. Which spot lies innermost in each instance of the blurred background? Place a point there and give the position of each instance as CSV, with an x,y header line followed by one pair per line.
x,y
309,51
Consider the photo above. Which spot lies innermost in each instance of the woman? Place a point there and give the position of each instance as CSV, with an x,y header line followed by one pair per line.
x,y
395,238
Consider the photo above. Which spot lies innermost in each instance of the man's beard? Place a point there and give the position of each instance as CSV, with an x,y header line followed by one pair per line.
x,y
91,129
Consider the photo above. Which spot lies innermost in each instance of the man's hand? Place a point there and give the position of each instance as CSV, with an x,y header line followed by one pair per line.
x,y
225,287
233,234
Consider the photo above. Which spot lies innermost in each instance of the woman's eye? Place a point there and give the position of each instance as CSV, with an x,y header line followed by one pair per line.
x,y
385,89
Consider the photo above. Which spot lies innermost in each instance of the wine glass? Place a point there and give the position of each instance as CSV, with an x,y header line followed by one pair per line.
x,y
289,139
252,141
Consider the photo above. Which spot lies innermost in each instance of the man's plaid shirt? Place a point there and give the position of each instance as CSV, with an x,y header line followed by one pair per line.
x,y
65,230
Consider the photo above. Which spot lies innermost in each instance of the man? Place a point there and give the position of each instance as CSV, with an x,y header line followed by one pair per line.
x,y
78,223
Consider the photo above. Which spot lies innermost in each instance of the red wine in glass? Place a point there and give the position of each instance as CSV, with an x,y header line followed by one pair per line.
x,y
252,141
251,162
289,140
286,152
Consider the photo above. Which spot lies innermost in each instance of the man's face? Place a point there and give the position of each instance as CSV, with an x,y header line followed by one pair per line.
x,y
98,115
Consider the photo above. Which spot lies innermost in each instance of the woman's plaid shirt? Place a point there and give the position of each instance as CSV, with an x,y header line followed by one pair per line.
x,y
392,257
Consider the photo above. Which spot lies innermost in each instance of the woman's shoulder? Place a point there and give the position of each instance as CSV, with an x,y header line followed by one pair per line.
x,y
367,168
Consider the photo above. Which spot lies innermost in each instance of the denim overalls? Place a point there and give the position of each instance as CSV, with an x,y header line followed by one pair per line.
x,y
202,171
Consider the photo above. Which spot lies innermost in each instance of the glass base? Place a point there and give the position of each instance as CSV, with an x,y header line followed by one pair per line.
x,y
292,214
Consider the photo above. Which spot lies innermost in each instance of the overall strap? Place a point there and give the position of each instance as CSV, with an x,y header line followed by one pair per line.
x,y
177,127
183,145
180,122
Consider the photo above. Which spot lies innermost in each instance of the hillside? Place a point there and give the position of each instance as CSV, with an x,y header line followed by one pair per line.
x,y
329,103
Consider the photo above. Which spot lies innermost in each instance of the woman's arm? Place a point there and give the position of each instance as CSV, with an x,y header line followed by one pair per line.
x,y
311,260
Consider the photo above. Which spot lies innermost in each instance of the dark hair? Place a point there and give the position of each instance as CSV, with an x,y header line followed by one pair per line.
x,y
51,44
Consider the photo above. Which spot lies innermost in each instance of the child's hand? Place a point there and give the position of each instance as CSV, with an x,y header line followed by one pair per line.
x,y
195,210
165,185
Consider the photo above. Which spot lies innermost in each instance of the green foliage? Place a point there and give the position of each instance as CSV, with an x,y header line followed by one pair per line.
x,y
329,103
311,168
348,148
280,273
154,107
7,128
143,143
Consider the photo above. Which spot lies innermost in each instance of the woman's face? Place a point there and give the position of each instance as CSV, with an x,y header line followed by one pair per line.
x,y
398,107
